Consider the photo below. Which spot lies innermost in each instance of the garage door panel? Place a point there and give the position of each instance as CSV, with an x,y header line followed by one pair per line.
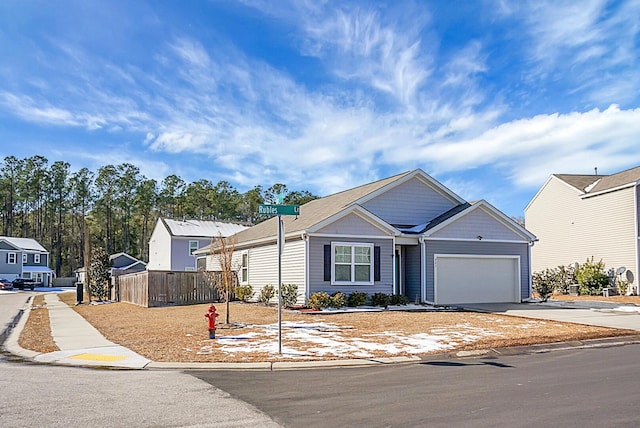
x,y
476,280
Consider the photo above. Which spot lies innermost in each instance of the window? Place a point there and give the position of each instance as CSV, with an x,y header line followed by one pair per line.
x,y
11,258
244,270
36,258
24,258
193,245
352,263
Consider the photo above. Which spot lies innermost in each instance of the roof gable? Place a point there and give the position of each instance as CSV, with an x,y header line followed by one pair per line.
x,y
473,215
354,218
121,259
320,210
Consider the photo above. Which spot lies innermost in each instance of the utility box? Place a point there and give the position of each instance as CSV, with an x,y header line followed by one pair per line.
x,y
79,292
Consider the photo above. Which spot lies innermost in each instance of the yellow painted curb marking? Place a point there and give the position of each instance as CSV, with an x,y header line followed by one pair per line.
x,y
98,357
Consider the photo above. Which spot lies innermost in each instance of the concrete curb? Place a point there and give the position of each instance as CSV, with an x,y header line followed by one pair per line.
x,y
11,345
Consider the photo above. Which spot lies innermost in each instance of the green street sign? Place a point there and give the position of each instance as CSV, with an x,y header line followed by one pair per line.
x,y
279,209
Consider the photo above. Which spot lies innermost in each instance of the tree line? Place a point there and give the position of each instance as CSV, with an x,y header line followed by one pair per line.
x,y
115,207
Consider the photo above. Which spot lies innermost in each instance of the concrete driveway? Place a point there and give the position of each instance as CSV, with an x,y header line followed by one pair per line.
x,y
602,314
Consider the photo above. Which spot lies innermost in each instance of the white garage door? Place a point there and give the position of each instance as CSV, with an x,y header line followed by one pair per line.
x,y
476,279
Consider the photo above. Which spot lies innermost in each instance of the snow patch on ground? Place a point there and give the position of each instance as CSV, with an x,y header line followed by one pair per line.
x,y
630,309
323,339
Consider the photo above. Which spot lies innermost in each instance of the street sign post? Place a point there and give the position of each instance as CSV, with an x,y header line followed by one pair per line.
x,y
279,210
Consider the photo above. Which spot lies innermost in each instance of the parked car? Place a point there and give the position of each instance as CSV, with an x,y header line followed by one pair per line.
x,y
22,283
5,284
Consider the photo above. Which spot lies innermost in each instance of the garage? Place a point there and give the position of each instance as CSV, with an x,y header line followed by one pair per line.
x,y
476,279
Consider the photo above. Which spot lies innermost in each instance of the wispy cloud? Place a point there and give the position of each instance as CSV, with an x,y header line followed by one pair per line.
x,y
589,45
533,148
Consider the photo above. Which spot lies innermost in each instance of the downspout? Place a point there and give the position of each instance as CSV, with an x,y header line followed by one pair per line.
x,y
423,270
531,244
396,286
305,238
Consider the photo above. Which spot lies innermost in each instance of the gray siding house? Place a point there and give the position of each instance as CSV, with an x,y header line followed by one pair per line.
x,y
24,258
407,234
173,242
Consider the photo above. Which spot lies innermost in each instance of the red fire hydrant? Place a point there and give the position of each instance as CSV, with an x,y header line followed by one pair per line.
x,y
211,315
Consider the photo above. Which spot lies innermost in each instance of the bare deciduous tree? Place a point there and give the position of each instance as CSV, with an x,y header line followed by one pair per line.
x,y
224,275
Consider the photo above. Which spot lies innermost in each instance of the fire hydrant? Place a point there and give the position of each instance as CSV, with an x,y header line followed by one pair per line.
x,y
211,315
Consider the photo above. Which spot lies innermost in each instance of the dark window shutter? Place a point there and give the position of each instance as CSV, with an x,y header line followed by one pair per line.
x,y
327,262
376,263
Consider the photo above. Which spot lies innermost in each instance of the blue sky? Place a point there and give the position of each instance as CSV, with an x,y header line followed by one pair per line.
x,y
489,97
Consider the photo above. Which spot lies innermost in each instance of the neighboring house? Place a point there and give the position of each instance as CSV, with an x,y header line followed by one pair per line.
x,y
173,242
577,217
24,258
407,234
121,264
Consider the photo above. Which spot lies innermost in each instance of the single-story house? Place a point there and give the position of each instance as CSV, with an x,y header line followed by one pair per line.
x,y
121,264
407,234
173,242
578,217
24,258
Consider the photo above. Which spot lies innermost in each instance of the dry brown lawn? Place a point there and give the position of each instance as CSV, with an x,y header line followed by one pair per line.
x,y
179,334
36,334
635,300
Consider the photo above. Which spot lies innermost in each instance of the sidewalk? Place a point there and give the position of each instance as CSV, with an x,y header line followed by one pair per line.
x,y
79,342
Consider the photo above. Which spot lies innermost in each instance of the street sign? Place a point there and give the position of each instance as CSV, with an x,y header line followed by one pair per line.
x,y
279,209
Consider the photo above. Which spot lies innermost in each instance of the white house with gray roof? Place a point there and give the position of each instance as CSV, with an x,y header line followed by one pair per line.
x,y
173,242
407,234
577,217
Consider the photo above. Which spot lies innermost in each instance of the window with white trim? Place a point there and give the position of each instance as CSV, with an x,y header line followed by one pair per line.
x,y
352,263
36,258
12,258
244,268
193,245
24,258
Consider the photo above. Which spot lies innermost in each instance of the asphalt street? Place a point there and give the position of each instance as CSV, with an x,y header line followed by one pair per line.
x,y
576,388
42,395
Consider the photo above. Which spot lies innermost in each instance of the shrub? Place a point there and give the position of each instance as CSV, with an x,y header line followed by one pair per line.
x,y
320,300
357,298
556,280
544,283
380,299
623,286
266,294
289,295
243,292
592,277
338,300
398,299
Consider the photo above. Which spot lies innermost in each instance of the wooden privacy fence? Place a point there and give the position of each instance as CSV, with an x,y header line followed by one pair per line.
x,y
165,288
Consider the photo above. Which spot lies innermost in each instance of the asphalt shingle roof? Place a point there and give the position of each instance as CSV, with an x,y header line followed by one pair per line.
x,y
603,182
313,212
